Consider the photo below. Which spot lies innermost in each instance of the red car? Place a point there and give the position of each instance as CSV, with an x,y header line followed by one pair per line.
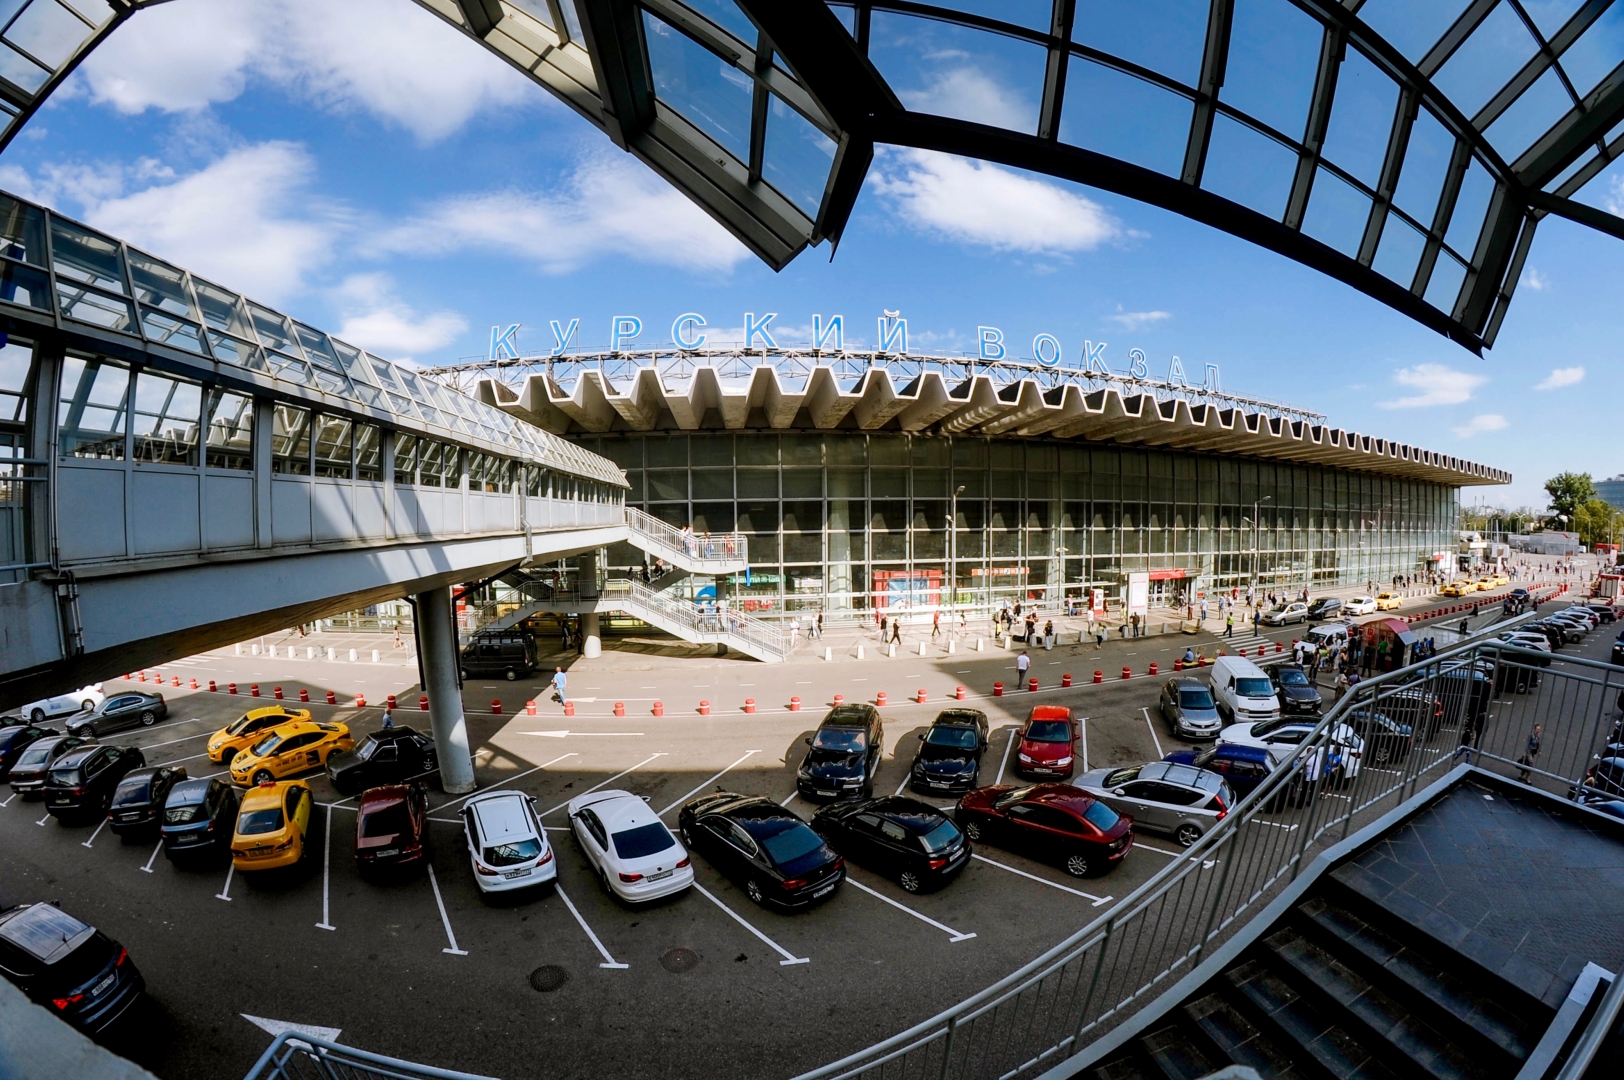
x,y
392,826
1053,823
1047,744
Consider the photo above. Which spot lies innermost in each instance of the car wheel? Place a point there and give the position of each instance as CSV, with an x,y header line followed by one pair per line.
x,y
1187,834
511,674
910,881
687,837
1383,754
1077,865
603,880
228,756
263,776
149,718
752,889
973,830
37,716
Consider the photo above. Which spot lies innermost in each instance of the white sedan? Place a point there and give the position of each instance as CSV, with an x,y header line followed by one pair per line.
x,y
506,843
1360,605
81,700
1278,736
634,855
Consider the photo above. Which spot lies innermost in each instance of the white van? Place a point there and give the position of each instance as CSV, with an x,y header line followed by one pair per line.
x,y
1242,690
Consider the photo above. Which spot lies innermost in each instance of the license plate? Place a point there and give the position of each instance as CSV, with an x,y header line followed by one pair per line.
x,y
661,876
386,852
962,853
826,890
112,977
59,802
517,873
128,817
830,793
938,783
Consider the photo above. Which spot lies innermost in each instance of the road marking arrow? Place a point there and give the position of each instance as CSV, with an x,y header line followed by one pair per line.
x,y
600,734
277,1027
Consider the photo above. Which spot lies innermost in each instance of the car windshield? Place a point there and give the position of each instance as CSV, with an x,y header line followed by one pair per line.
x,y
181,815
1253,688
35,756
958,737
237,726
941,837
1195,699
365,751
8,735
787,845
644,840
390,819
265,745
257,822
511,854
1122,776
840,738
133,791
66,777
1293,677
1049,731
1102,817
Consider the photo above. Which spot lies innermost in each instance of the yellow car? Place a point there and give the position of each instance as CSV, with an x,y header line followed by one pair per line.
x,y
271,825
248,729
1501,579
292,748
1458,588
1387,601
1484,584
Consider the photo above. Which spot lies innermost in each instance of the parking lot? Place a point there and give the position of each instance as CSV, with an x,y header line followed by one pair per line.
x,y
703,984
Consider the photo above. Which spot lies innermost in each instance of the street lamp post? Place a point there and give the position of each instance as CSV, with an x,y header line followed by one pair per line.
x,y
953,544
1257,534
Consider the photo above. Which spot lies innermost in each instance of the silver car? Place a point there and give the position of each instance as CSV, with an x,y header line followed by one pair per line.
x,y
1188,707
1180,800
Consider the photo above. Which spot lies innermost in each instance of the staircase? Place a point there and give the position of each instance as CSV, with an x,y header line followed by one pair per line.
x,y
692,553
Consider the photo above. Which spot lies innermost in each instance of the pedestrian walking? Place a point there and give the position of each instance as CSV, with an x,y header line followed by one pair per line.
x,y
388,720
817,625
1229,625
1257,620
558,684
1048,634
964,625
883,624
1099,637
1203,612
1022,663
397,636
936,624
1134,619
896,631
1530,753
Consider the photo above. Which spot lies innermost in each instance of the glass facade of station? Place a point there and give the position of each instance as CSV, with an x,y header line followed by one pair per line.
x,y
851,522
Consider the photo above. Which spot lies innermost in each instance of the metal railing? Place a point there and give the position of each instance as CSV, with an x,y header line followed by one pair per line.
x,y
685,543
1477,702
297,1056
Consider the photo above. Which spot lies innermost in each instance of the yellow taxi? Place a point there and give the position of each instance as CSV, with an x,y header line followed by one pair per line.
x,y
248,729
271,825
292,748
1458,588
1485,583
1387,601
1502,579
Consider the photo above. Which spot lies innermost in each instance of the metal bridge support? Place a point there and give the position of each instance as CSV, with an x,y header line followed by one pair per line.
x,y
438,636
591,633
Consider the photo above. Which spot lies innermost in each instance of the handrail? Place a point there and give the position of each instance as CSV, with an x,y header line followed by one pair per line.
x,y
1595,1033
731,547
1103,973
294,1055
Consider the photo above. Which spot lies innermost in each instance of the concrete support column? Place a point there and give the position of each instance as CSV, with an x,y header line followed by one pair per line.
x,y
591,638
439,642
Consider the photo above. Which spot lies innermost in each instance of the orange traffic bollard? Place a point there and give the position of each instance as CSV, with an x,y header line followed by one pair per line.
x,y
958,693
569,708
620,708
1279,648
840,699
174,680
1200,660
361,701
194,684
749,704
1178,665
704,708
212,688
1127,672
530,707
304,694
276,692
921,695
423,703
332,697
879,699
142,677
1065,680
1031,686
659,708
1099,676
1153,669
392,705
231,688
253,690
496,706
997,689
794,704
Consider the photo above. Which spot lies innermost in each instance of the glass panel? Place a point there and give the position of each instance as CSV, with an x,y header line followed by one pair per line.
x,y
19,69
847,14
354,367
1444,287
231,431
1594,56
1605,191
958,71
1413,26
160,285
797,158
333,446
430,455
368,453
1497,49
163,329
286,367
1471,207
1426,163
233,351
1273,56
1166,36
405,458
385,373
290,440
369,394
90,417
403,406
572,20
84,256
1337,212
709,92
1125,117
538,8
25,286
333,383
222,310
1249,168
97,309
16,359
315,346
1550,15
22,231
1399,252
726,14
168,412
1530,116
1361,118
47,32
273,329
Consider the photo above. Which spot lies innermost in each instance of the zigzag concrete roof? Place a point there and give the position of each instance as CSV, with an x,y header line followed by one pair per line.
x,y
975,406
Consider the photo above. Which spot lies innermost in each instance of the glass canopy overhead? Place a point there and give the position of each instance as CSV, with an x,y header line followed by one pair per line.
x,y
1407,148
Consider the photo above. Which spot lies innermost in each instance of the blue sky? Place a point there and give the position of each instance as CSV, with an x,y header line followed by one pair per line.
x,y
369,170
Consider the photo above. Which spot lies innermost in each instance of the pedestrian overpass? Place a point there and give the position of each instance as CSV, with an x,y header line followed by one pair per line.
x,y
182,467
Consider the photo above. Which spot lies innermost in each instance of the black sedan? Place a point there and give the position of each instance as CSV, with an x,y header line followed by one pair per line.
x,y
949,754
199,817
28,772
119,712
911,842
81,782
1386,739
1297,694
14,740
389,756
138,801
767,850
1606,777
74,971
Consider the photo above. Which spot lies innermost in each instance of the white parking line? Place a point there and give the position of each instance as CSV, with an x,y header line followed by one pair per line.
x,y
7,803
434,882
225,893
789,958
171,742
1097,900
44,819
953,936
786,801
147,869
1152,726
1273,824
1082,728
707,783
326,862
595,787
999,779
177,761
905,778
608,961
97,833
509,780
173,723
1138,844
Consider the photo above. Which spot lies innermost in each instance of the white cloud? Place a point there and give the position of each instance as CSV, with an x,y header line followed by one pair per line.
x,y
1534,281
968,94
978,203
1134,320
611,205
375,318
1477,425
1614,199
1438,385
1560,377
391,59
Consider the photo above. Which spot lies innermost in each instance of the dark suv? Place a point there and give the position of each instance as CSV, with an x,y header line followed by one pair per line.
x,y
74,971
199,817
1324,608
138,801
1297,693
949,754
845,754
81,782
28,772
387,756
508,653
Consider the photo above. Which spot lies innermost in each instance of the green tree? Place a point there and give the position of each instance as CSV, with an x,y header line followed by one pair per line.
x,y
1568,492
1598,523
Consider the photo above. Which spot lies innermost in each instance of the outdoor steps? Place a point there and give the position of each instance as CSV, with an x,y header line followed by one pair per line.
x,y
1341,989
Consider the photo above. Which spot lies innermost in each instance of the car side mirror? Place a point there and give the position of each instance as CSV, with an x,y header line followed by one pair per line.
x,y
807,740
1118,791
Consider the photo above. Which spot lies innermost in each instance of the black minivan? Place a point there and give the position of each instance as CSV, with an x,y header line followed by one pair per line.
x,y
508,653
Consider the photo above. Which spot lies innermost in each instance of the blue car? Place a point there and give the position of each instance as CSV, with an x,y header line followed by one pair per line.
x,y
1245,767
198,819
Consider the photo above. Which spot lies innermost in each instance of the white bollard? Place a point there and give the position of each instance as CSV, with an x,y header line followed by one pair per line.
x,y
374,656
859,652
310,652
891,650
921,648
254,649
352,656
332,653
237,648
981,644
828,653
952,646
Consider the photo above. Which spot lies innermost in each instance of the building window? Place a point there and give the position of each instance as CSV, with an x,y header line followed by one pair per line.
x,y
405,459
290,440
91,415
368,453
231,431
168,412
333,448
